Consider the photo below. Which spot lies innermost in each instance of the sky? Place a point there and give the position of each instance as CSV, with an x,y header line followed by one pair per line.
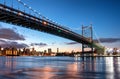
x,y
104,15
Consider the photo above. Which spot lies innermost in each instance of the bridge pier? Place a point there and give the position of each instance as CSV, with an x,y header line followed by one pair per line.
x,y
82,49
91,52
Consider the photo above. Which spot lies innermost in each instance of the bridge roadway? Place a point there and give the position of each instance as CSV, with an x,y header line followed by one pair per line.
x,y
20,18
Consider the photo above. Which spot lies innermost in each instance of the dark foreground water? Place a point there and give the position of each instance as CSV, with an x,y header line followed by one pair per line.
x,y
59,67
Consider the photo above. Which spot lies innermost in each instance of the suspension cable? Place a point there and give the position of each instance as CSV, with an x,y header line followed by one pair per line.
x,y
97,38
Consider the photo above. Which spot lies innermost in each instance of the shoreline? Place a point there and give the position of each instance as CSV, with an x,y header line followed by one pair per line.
x,y
66,56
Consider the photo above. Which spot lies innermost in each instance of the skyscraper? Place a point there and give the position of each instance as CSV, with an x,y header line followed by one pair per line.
x,y
57,50
49,50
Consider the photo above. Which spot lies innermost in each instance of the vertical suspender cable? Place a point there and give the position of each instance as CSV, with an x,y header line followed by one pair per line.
x,y
12,4
18,4
98,39
29,10
24,7
4,2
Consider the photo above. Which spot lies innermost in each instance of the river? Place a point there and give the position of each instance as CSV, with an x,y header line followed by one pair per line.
x,y
36,67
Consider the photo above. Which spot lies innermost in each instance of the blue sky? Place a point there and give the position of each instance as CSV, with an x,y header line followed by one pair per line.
x,y
104,15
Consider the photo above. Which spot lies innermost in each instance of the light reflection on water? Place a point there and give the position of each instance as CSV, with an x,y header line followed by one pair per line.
x,y
59,67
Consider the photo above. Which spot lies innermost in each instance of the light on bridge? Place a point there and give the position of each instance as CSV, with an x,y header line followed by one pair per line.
x,y
30,8
44,23
24,4
19,13
59,30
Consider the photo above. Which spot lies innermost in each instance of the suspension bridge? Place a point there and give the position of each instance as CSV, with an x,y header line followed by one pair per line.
x,y
34,20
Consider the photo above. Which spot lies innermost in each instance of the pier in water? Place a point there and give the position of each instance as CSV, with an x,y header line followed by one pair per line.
x,y
36,67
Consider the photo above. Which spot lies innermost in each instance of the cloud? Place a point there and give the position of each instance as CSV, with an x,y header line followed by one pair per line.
x,y
38,44
71,43
10,34
107,40
4,43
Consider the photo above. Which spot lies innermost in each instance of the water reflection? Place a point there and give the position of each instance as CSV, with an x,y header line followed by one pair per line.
x,y
7,63
59,68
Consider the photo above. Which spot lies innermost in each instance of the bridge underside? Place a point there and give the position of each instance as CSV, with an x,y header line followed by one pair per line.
x,y
16,17
31,22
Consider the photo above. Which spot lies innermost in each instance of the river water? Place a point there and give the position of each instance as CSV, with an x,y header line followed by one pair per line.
x,y
35,67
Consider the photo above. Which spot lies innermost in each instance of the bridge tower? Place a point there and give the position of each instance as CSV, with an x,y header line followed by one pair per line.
x,y
88,33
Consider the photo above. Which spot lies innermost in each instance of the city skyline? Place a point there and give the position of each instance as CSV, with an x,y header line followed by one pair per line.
x,y
102,14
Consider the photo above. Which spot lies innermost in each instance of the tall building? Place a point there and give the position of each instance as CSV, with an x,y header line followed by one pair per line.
x,y
45,51
33,52
27,51
14,51
24,51
57,50
19,52
7,51
49,50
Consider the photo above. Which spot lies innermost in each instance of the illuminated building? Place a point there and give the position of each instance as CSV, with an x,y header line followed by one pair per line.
x,y
33,52
10,51
7,51
14,51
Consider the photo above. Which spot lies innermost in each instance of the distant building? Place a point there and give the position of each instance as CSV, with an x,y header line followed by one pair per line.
x,y
0,50
33,52
14,51
7,51
10,51
24,51
27,52
45,51
19,52
57,50
49,50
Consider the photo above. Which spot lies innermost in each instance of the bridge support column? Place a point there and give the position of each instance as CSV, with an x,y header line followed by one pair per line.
x,y
92,50
92,40
82,49
88,33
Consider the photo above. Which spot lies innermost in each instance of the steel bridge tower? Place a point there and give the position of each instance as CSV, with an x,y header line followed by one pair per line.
x,y
88,33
